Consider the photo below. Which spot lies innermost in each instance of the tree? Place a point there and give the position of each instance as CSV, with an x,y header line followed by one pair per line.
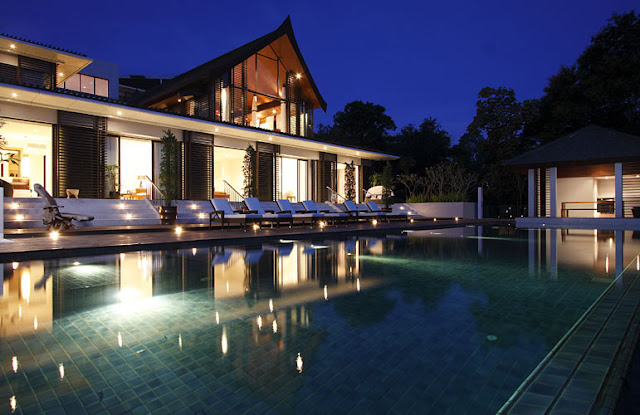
x,y
362,124
494,136
422,147
169,173
249,172
350,181
602,87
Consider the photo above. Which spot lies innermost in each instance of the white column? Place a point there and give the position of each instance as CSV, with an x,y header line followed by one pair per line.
x,y
531,193
618,198
480,202
553,178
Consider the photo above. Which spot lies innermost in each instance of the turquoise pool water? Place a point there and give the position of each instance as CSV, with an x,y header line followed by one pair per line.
x,y
442,322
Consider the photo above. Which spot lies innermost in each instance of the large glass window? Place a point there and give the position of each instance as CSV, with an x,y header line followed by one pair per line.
x,y
135,161
26,156
227,166
87,84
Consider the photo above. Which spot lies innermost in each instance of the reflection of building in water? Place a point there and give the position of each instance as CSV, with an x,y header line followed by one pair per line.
x,y
26,303
268,270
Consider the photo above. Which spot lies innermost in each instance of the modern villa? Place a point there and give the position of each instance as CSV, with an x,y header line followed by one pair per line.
x,y
68,117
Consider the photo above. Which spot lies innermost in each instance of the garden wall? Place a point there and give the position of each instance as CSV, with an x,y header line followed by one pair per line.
x,y
466,210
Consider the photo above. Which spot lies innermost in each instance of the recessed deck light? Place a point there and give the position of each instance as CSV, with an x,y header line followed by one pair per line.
x,y
20,217
15,205
54,235
178,230
129,216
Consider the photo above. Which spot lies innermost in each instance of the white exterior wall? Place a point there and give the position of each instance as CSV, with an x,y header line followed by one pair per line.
x,y
577,189
138,130
28,113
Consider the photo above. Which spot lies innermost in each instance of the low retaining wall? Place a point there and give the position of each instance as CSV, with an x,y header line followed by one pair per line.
x,y
462,210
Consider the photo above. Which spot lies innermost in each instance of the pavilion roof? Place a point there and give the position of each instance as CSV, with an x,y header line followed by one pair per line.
x,y
590,145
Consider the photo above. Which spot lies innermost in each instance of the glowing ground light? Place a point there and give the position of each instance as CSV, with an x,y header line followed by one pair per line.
x,y
411,220
456,218
322,224
201,215
14,364
374,222
434,219
256,226
178,230
299,363
15,205
54,235
20,217
129,216
61,370
121,205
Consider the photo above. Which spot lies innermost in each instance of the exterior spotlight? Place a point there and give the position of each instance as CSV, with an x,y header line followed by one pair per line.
x,y
54,235
178,230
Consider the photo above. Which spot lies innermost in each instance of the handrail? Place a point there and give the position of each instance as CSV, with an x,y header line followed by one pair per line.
x,y
153,191
333,196
234,195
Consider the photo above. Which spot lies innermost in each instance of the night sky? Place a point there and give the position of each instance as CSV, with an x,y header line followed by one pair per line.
x,y
418,59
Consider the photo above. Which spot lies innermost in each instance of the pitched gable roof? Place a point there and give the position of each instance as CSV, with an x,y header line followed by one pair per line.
x,y
229,60
589,145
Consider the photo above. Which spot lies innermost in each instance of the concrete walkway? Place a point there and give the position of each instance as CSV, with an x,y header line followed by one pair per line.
x,y
26,245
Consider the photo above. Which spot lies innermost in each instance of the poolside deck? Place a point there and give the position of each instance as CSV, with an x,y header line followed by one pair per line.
x,y
20,245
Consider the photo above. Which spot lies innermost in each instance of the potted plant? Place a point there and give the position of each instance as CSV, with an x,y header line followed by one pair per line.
x,y
113,176
169,177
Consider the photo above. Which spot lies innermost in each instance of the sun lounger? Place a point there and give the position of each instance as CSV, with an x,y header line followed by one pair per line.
x,y
311,207
302,215
358,214
224,213
255,207
52,218
373,207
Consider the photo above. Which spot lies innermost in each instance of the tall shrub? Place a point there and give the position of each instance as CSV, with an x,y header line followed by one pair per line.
x,y
249,171
169,172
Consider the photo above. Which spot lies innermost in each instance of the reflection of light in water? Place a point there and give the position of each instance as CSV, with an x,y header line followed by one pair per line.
x,y
275,326
351,270
271,305
606,264
35,323
61,370
76,263
20,311
260,322
12,404
358,284
610,242
326,294
299,363
223,342
122,257
180,341
14,364
128,294
119,339
227,286
638,263
217,318
194,251
25,285
15,265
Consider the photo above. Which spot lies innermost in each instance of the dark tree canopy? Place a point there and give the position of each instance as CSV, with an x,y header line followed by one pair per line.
x,y
360,124
422,147
602,87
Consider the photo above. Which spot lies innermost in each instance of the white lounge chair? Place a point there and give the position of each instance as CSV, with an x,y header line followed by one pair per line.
x,y
311,207
255,207
354,211
373,207
302,215
224,213
52,218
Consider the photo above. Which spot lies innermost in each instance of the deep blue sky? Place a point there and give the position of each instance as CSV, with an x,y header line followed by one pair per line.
x,y
418,59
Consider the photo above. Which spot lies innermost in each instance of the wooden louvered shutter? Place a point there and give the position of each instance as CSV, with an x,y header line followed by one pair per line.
x,y
8,73
198,169
314,180
327,175
79,154
36,72
238,98
268,171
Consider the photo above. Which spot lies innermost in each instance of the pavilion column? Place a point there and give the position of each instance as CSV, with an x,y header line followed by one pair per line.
x,y
553,178
531,193
619,207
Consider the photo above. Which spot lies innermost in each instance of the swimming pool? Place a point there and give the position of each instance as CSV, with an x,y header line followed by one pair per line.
x,y
439,321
